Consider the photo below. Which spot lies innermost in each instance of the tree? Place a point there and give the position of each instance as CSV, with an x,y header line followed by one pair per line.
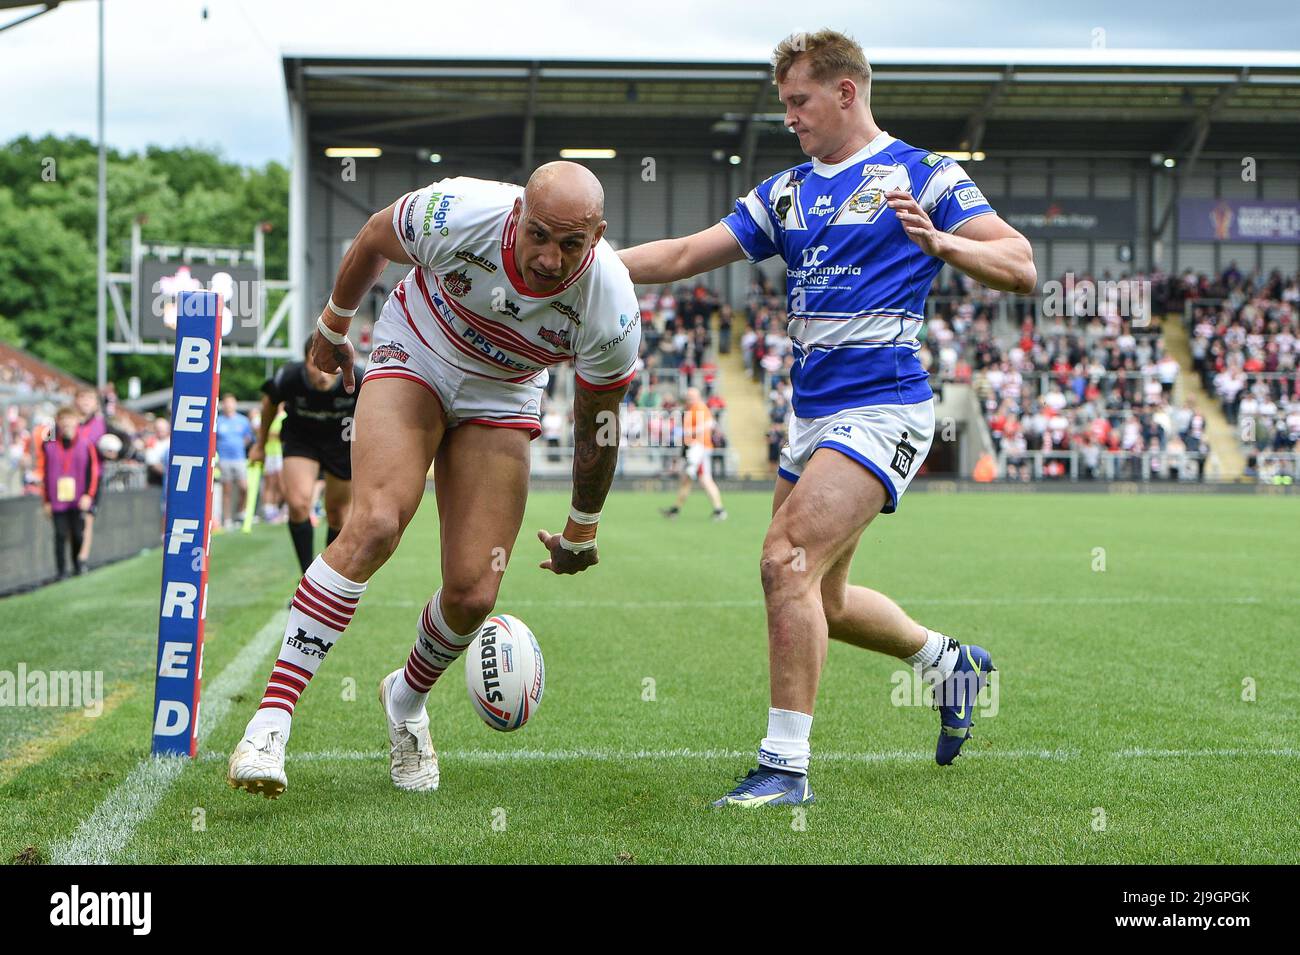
x,y
48,222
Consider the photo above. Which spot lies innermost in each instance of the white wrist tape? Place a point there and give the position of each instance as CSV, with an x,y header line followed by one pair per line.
x,y
327,333
579,547
583,517
341,312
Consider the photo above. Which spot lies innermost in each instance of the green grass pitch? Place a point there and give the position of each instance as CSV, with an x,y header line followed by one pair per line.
x,y
1125,729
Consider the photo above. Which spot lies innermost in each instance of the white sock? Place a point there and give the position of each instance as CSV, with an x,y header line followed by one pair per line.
x,y
322,607
937,657
437,647
786,744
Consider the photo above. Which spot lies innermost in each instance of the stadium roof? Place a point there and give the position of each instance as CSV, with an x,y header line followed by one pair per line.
x,y
1045,102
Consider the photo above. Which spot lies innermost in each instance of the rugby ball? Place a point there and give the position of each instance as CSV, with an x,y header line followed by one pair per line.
x,y
504,673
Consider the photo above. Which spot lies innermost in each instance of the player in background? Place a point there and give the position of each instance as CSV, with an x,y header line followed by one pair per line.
x,y
272,468
506,281
697,441
863,227
315,440
234,437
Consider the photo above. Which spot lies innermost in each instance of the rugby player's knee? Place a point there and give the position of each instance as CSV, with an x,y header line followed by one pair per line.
x,y
372,536
784,565
469,601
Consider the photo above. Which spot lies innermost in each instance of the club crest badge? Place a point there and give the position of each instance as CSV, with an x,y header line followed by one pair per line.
x,y
458,282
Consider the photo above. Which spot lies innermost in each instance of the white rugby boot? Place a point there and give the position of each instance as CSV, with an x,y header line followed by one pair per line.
x,y
257,764
412,763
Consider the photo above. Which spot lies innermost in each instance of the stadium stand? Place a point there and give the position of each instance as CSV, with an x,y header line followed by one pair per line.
x,y
1244,351
1068,397
678,351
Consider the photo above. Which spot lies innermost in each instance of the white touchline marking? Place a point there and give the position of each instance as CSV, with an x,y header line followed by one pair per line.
x,y
668,755
1139,753
1011,599
103,835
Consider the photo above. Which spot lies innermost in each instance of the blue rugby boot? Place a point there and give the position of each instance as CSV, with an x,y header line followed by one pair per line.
x,y
955,699
769,787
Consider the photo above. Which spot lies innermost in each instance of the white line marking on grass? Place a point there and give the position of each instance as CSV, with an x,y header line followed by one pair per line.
x,y
1121,600
103,835
642,755
651,755
1139,753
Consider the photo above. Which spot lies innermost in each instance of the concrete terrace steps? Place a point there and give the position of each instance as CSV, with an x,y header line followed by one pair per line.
x,y
746,415
1225,446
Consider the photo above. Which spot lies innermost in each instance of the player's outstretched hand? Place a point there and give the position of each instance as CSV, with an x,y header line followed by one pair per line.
x,y
565,561
915,222
257,454
331,358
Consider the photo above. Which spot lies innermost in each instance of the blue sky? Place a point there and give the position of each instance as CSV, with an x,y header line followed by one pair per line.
x,y
176,77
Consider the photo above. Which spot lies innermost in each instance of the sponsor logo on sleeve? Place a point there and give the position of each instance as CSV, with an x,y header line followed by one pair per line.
x,y
932,160
968,197
408,222
436,212
627,323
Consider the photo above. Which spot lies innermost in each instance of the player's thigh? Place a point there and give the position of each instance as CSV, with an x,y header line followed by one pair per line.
x,y
824,513
481,481
782,491
299,476
399,425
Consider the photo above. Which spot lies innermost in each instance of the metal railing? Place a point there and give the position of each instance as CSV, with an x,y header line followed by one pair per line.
x,y
1077,465
1276,467
556,461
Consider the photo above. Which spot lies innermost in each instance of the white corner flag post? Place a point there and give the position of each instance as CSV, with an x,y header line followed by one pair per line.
x,y
195,382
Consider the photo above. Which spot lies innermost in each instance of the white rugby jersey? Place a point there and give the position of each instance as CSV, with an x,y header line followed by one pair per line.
x,y
466,300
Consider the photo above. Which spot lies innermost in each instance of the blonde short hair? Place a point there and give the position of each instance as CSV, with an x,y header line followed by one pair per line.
x,y
831,56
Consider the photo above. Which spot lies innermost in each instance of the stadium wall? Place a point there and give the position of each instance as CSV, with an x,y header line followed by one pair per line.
x,y
126,523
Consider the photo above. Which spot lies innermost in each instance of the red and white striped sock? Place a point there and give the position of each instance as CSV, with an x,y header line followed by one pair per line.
x,y
322,607
436,647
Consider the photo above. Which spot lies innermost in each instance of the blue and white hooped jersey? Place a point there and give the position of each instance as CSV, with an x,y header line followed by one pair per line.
x,y
856,282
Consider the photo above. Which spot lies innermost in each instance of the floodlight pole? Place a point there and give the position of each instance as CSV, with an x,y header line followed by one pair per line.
x,y
101,268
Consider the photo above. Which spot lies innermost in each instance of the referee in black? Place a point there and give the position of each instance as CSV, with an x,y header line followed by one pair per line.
x,y
317,440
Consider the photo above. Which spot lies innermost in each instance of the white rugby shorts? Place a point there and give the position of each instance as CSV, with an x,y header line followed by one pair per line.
x,y
890,441
466,398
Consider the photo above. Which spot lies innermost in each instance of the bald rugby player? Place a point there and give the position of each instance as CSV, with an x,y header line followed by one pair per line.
x,y
505,282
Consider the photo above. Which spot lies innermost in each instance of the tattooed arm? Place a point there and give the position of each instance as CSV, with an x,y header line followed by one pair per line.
x,y
595,455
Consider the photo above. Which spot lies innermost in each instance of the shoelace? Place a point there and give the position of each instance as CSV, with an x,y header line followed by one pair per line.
x,y
751,781
410,748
